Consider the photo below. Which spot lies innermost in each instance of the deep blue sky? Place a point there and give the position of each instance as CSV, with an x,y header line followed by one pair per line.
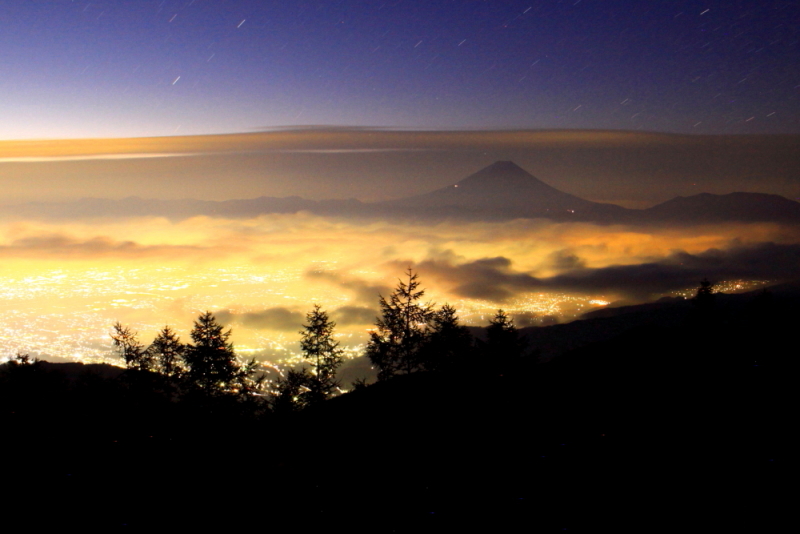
x,y
160,67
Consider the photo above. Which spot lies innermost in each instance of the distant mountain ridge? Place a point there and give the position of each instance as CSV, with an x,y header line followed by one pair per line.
x,y
501,191
745,207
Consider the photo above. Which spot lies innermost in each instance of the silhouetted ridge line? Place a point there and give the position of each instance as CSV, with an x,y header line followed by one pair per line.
x,y
739,206
500,191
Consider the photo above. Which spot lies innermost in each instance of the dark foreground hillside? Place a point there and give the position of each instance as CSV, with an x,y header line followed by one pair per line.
x,y
680,425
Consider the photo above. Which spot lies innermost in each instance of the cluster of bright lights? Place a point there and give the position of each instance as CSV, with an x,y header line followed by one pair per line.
x,y
529,309
724,286
67,314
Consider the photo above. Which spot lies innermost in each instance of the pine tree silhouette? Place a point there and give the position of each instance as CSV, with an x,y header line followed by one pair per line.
x,y
322,350
402,330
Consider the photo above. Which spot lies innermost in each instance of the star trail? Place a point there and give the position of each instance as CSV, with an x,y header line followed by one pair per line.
x,y
166,67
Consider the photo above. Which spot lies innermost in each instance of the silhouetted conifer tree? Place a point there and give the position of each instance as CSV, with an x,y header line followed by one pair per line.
x,y
319,347
167,352
402,330
704,299
448,341
291,393
131,350
212,364
503,346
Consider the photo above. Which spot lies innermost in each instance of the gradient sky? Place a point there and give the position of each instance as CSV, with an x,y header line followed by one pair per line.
x,y
165,67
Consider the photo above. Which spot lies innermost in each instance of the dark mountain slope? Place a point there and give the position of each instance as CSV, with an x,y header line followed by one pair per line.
x,y
506,190
668,312
635,431
708,208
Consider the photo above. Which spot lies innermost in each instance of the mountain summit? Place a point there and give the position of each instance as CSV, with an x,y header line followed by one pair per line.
x,y
505,189
501,191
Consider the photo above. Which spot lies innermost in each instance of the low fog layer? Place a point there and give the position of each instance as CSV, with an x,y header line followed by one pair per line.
x,y
460,258
262,275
